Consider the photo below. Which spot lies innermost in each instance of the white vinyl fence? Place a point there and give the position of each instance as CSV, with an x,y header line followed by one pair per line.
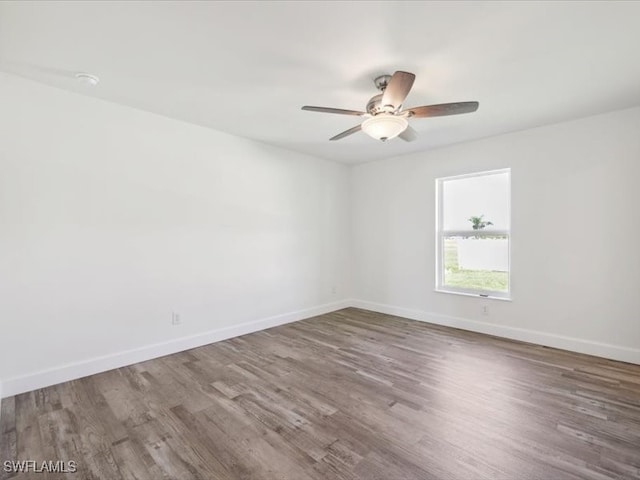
x,y
483,254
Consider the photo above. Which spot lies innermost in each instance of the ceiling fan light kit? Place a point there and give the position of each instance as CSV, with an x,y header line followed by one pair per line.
x,y
384,126
385,118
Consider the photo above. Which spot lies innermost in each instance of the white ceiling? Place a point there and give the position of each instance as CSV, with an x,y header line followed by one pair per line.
x,y
246,68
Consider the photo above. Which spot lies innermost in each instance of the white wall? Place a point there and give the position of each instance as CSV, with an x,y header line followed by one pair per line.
x,y
111,218
575,235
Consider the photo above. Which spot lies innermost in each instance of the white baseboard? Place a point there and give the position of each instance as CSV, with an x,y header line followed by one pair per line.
x,y
605,350
72,371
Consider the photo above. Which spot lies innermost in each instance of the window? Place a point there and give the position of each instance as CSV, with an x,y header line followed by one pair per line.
x,y
473,234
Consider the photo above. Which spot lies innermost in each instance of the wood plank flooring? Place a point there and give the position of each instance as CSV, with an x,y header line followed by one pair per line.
x,y
351,395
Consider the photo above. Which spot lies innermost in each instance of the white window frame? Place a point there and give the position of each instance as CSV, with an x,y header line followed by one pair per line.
x,y
442,234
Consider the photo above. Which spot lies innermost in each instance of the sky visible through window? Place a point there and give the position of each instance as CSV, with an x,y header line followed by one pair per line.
x,y
486,195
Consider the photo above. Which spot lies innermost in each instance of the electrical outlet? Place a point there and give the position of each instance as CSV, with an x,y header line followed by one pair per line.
x,y
485,310
175,318
334,290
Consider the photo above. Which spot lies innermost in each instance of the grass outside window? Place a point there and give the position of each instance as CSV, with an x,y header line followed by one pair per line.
x,y
470,279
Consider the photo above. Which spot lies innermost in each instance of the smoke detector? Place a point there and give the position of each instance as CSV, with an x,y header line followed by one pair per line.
x,y
87,79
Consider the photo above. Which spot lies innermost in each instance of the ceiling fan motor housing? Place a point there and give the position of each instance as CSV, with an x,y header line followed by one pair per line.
x,y
374,104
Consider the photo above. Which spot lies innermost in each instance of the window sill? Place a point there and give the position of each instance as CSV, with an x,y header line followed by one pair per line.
x,y
476,295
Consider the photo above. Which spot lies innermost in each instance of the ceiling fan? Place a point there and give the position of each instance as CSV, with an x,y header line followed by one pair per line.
x,y
385,118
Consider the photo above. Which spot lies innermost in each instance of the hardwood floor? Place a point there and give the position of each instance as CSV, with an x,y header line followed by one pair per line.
x,y
348,395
